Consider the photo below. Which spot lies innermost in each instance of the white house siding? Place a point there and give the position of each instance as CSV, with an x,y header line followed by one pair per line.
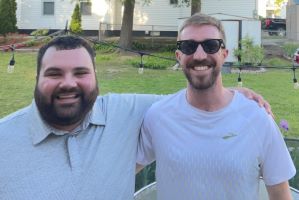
x,y
159,13
262,8
243,8
100,9
292,19
30,14
162,13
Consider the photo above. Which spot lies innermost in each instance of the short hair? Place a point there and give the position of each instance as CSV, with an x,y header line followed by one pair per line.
x,y
200,19
67,42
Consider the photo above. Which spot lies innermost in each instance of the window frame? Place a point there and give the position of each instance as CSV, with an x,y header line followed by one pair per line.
x,y
83,10
44,3
173,2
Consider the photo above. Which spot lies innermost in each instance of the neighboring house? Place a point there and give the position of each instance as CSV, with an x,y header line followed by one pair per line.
x,y
158,17
292,20
55,14
271,9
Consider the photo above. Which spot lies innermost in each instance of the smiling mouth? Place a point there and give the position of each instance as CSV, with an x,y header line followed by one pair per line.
x,y
67,96
201,68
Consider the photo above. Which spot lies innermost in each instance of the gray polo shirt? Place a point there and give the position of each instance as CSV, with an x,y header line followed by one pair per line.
x,y
95,161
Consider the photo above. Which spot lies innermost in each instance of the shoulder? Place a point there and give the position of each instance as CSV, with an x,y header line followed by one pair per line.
x,y
249,111
125,97
14,117
249,107
170,103
133,104
14,124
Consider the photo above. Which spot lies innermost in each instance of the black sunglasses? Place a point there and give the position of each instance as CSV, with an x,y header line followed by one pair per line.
x,y
210,46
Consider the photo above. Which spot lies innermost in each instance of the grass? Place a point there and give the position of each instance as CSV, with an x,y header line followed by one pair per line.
x,y
115,74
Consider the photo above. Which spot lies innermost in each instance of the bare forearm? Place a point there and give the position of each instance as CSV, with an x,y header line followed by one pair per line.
x,y
138,168
279,192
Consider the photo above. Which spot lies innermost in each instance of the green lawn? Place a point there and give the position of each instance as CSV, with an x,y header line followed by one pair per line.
x,y
115,74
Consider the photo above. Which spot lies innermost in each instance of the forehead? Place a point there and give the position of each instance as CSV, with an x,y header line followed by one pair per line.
x,y
66,58
200,32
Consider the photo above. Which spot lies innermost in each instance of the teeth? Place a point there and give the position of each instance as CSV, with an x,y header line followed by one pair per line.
x,y
67,96
201,68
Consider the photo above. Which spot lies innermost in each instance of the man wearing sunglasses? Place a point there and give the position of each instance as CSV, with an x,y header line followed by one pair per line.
x,y
210,142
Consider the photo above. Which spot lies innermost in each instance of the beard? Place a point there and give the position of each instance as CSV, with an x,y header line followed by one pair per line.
x,y
201,82
67,114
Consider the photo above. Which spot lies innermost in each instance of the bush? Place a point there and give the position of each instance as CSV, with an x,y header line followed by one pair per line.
x,y
152,62
8,19
289,49
161,47
276,62
39,32
75,26
140,46
249,53
108,47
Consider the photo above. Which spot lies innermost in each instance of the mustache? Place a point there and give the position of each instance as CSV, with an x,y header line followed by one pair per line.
x,y
204,62
67,90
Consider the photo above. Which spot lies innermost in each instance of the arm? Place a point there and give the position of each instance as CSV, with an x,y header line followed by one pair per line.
x,y
138,168
280,191
250,94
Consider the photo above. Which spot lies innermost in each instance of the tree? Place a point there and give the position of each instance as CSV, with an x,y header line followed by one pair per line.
x,y
125,40
195,6
278,3
75,26
8,19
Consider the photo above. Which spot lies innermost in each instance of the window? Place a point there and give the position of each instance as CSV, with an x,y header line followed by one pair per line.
x,y
173,2
48,8
85,8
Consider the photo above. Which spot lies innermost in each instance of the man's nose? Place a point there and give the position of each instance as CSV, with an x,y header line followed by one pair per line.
x,y
200,53
68,81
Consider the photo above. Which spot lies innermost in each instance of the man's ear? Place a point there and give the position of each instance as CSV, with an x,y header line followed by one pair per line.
x,y
224,53
178,55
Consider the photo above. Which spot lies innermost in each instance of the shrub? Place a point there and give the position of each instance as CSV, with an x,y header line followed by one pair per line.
x,y
140,46
8,19
152,62
289,49
75,26
39,32
108,47
249,53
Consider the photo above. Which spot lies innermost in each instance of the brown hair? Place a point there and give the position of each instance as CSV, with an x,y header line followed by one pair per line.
x,y
64,43
200,19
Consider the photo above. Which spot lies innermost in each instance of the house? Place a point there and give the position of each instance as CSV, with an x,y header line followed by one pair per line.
x,y
55,14
292,20
160,17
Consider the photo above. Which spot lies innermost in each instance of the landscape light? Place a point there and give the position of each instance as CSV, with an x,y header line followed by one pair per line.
x,y
140,69
11,64
240,84
296,84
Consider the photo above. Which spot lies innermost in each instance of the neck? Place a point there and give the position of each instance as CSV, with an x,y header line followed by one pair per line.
x,y
210,99
68,128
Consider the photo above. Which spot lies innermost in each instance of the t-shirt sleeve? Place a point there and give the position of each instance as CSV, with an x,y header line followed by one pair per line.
x,y
145,150
277,165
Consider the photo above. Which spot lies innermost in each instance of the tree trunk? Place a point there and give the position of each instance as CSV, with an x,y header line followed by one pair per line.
x,y
125,40
195,6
